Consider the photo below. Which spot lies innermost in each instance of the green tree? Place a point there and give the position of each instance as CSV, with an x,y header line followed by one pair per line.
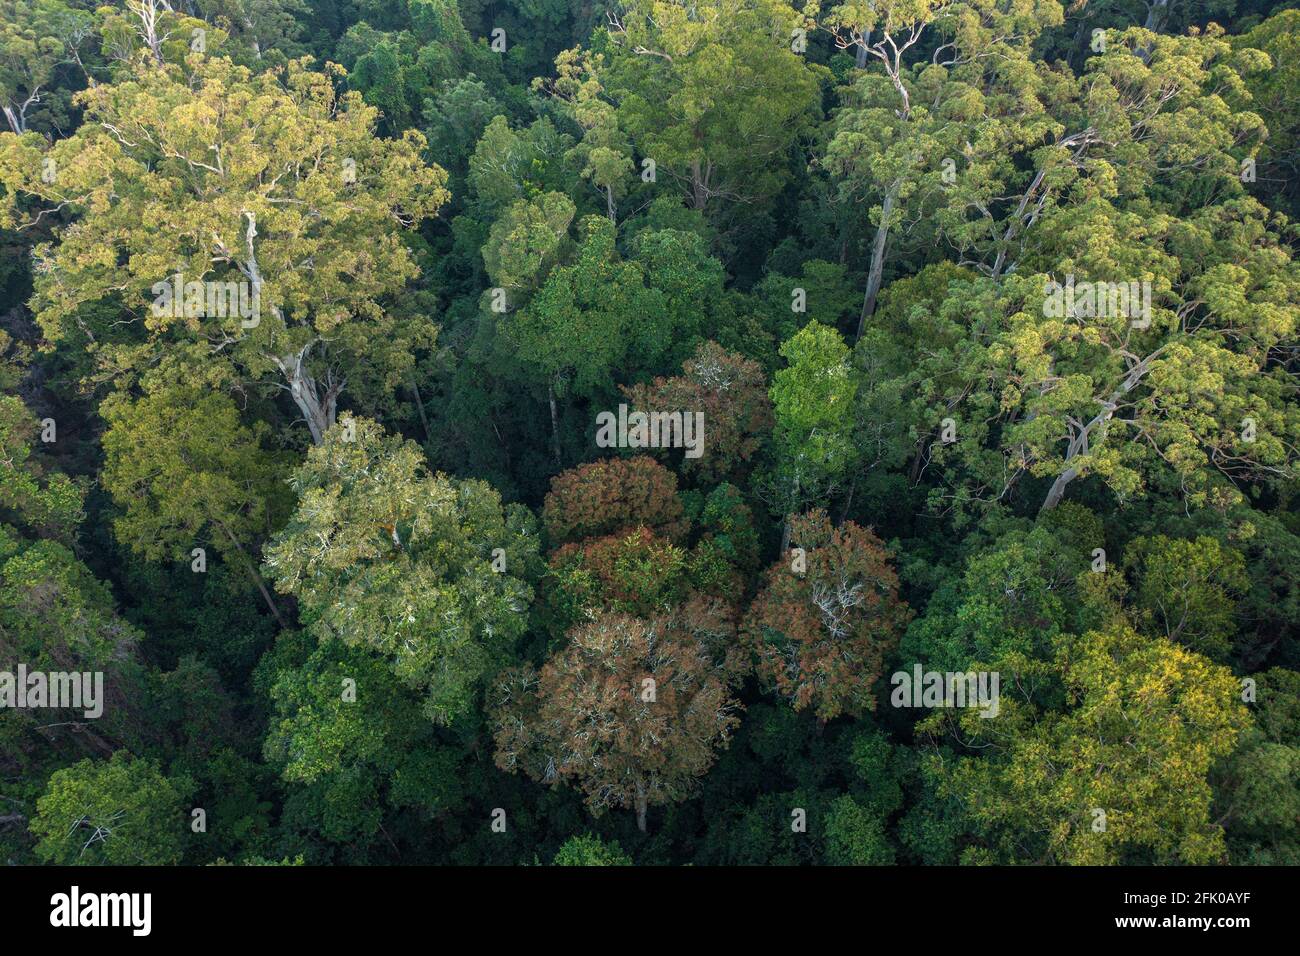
x,y
1257,791
200,176
36,37
590,850
974,100
429,572
813,404
354,740
604,155
713,92
855,836
1186,590
118,812
42,499
187,471
1121,773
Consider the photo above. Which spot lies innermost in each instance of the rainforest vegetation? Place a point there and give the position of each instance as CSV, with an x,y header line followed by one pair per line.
x,y
609,432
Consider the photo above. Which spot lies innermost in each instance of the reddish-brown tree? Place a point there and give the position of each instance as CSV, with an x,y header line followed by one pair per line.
x,y
631,711
730,391
826,617
613,496
637,572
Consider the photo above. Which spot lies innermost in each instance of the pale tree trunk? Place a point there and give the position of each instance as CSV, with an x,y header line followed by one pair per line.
x,y
1024,218
700,185
147,13
419,404
555,425
860,53
878,249
1057,491
642,804
252,33
1157,14
893,64
610,208
319,408
1079,441
16,113
1078,446
1013,226
253,573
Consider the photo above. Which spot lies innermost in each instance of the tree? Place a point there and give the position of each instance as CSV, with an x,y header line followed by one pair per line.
x,y
813,404
613,496
529,238
1186,590
1191,403
1120,774
587,317
512,166
855,836
1257,791
429,572
590,850
632,711
1016,595
826,618
36,37
118,812
187,471
1273,93
604,154
1175,383
713,92
636,572
976,98
198,175
262,26
401,54
55,613
147,33
353,740
47,501
730,392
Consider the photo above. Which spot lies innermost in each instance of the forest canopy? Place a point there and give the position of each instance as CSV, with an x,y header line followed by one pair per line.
x,y
649,432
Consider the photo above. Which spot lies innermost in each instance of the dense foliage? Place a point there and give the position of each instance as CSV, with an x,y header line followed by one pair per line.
x,y
650,431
